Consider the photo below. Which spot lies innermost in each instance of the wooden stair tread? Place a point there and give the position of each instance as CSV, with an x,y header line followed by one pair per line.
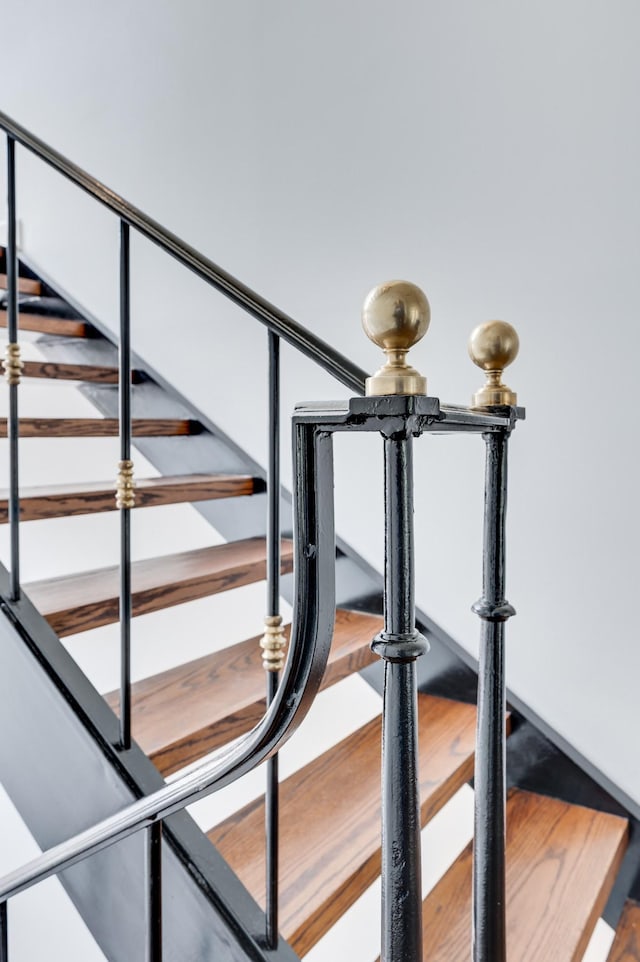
x,y
64,500
562,860
100,427
330,819
26,285
187,711
74,603
48,324
72,372
626,945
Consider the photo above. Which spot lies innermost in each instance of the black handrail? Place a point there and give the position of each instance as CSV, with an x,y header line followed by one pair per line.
x,y
311,636
276,320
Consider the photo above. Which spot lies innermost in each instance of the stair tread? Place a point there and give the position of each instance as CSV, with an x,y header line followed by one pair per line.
x,y
72,372
561,862
49,324
626,945
100,427
181,714
77,602
330,819
26,285
64,500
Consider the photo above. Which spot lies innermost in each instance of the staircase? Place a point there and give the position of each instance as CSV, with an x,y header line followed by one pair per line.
x,y
571,852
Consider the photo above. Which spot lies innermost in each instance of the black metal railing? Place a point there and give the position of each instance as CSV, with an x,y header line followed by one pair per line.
x,y
279,325
399,419
311,635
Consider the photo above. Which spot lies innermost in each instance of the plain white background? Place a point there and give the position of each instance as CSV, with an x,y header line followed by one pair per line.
x,y
487,152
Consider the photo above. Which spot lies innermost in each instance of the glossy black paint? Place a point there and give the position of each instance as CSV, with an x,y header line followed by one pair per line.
x,y
64,734
275,320
153,855
399,644
124,398
489,884
13,425
311,635
271,800
4,933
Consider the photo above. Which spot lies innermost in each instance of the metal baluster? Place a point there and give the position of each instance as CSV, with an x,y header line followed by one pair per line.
x,y
154,892
4,933
273,643
492,347
12,368
125,491
395,316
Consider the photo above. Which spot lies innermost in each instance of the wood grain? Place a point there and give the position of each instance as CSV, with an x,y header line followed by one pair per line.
x,y
72,372
99,427
64,500
44,324
561,863
186,712
330,819
74,603
26,285
626,945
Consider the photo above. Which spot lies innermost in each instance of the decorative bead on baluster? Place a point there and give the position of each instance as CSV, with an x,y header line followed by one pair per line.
x,y
494,346
273,644
125,486
396,316
13,365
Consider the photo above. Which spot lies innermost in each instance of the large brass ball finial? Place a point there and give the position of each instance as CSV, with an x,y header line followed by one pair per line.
x,y
396,316
493,346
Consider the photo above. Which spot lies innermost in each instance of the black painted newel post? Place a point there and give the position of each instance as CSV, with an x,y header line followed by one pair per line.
x,y
396,315
400,645
492,347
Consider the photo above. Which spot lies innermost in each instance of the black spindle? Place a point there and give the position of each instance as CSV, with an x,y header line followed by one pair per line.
x,y
12,369
124,502
4,933
154,892
273,616
489,909
400,645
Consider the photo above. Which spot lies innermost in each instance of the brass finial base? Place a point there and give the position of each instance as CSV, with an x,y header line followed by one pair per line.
x,y
125,486
494,393
273,644
493,346
396,316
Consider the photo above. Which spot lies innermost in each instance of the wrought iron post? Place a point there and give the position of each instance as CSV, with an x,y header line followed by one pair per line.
x,y
396,316
125,488
12,369
492,347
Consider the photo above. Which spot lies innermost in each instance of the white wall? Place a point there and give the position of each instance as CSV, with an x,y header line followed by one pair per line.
x,y
486,151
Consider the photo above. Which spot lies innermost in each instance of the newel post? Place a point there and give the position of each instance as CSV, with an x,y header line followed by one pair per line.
x,y
396,316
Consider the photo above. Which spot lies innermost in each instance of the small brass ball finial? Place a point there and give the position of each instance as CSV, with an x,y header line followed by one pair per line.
x,y
396,316
493,346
